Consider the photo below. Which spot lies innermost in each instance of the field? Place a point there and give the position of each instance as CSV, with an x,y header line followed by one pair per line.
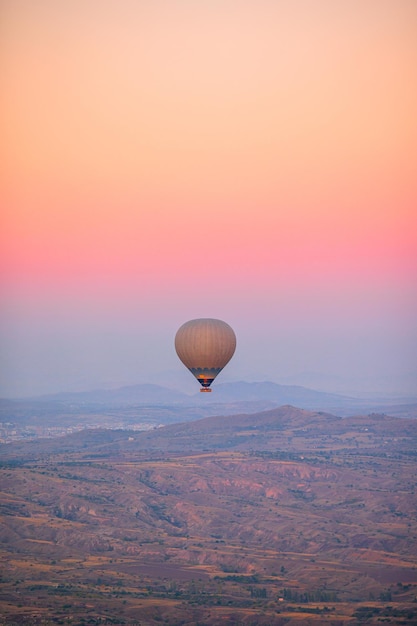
x,y
283,517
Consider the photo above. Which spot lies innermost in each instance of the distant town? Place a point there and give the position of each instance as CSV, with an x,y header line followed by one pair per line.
x,y
10,432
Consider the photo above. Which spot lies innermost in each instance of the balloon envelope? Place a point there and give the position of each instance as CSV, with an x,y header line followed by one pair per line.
x,y
205,346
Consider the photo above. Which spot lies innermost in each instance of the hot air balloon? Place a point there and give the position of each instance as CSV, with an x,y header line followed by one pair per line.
x,y
205,346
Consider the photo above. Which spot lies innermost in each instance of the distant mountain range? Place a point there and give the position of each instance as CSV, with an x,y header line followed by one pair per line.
x,y
122,396
278,394
221,393
166,405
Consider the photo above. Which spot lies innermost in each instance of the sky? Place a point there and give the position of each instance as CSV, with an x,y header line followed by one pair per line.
x,y
248,160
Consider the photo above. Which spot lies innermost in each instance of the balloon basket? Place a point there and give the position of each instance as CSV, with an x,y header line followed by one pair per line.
x,y
205,390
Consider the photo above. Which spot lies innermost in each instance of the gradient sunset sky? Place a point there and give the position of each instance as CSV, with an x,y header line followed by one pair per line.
x,y
251,160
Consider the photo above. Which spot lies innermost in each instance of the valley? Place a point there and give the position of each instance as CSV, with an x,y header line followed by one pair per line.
x,y
286,516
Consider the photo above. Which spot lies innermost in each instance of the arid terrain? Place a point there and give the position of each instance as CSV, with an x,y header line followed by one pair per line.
x,y
282,517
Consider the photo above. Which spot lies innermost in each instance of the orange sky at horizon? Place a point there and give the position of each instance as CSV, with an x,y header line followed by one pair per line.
x,y
209,148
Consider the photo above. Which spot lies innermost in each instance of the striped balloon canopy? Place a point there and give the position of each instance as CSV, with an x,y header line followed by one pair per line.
x,y
205,346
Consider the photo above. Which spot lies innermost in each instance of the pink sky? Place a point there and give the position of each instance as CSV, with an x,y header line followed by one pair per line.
x,y
253,161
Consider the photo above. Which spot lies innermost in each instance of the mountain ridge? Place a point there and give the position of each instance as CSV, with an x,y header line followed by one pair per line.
x,y
238,391
266,430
